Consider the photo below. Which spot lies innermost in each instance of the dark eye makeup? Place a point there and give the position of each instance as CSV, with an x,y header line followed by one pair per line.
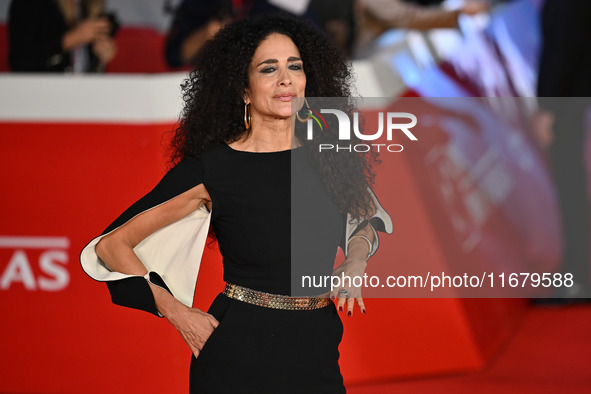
x,y
270,69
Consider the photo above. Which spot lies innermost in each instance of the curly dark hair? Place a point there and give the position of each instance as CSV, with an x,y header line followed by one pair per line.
x,y
218,82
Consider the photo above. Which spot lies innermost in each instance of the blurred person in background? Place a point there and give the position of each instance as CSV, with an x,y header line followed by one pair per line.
x,y
338,19
377,16
564,88
196,21
60,36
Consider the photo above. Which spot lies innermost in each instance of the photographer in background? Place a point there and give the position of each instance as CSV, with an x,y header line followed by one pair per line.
x,y
60,36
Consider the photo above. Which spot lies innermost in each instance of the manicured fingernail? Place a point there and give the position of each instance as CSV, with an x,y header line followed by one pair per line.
x,y
340,308
363,311
349,313
332,297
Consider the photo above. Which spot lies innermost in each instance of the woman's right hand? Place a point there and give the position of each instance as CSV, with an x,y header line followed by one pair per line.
x,y
194,325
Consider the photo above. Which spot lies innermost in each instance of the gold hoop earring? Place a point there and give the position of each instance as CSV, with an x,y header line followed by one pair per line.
x,y
309,111
247,120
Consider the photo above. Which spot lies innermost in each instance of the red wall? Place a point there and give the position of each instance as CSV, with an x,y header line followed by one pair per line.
x,y
71,180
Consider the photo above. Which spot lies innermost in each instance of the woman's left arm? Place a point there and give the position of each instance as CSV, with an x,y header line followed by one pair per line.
x,y
359,250
361,242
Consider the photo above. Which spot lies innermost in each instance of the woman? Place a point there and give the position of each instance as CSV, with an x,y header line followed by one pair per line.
x,y
234,152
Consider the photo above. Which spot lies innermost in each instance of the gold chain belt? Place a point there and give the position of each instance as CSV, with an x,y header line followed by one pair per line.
x,y
275,301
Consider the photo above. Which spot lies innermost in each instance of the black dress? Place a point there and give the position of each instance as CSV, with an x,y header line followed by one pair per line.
x,y
258,200
272,218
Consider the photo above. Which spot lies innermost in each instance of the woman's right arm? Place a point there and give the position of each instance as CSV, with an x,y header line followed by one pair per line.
x,y
116,251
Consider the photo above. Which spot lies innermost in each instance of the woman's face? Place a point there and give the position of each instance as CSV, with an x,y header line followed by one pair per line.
x,y
276,74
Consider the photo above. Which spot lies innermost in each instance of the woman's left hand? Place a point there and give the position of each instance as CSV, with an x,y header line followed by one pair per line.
x,y
347,293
